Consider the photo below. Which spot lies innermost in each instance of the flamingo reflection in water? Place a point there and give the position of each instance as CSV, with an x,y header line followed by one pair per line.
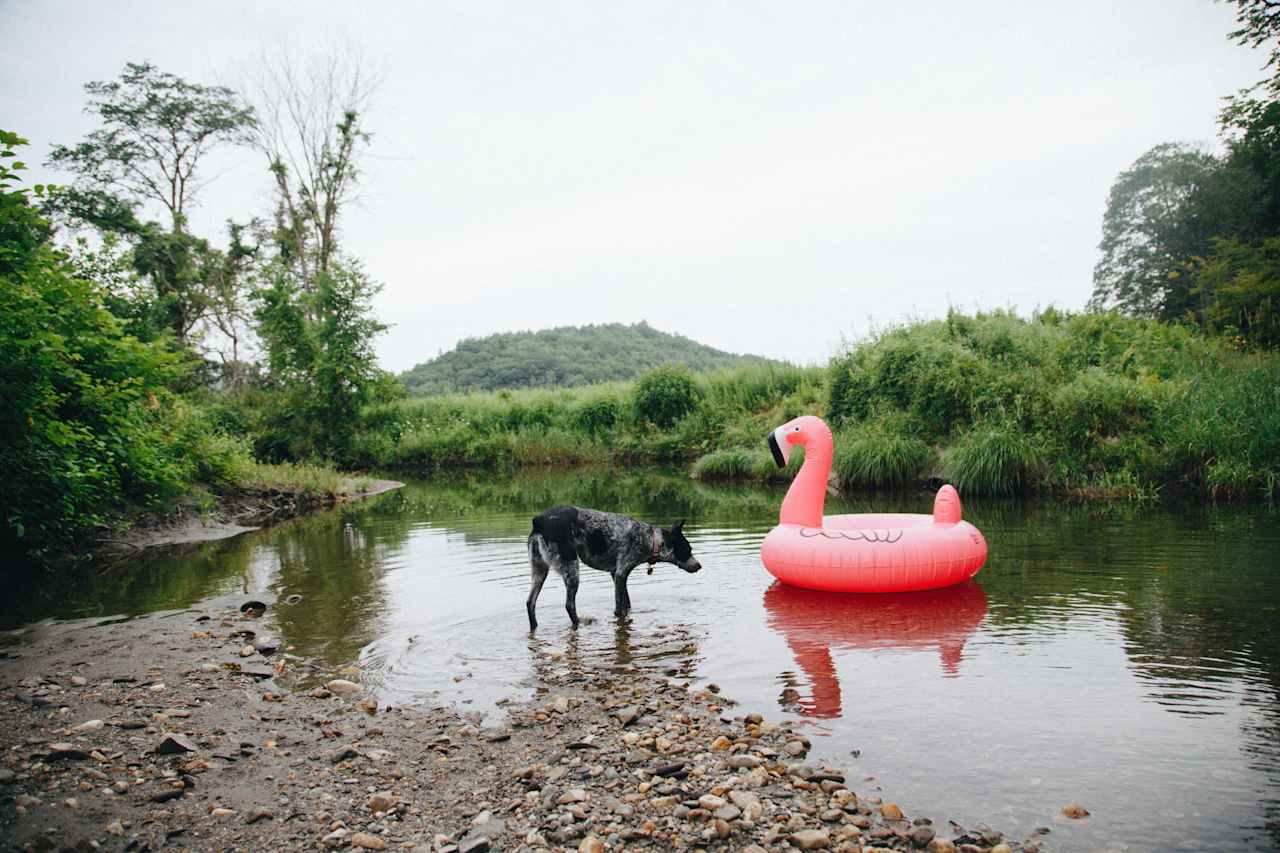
x,y
814,622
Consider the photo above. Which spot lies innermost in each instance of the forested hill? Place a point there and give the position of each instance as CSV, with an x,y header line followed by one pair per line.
x,y
565,356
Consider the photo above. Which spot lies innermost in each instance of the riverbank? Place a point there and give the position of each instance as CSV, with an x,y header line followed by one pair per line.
x,y
1091,405
192,729
265,495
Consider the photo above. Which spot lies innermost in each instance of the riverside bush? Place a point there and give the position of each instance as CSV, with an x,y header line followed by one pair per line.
x,y
881,453
1094,404
665,394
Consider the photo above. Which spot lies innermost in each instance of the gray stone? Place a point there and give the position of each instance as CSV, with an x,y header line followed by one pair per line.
x,y
175,744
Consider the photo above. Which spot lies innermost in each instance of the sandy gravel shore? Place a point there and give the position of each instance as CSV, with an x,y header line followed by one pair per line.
x,y
193,730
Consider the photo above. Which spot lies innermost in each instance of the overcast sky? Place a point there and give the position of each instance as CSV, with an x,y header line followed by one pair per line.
x,y
762,177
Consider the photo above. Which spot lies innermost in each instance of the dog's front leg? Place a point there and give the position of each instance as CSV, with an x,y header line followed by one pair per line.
x,y
621,601
571,592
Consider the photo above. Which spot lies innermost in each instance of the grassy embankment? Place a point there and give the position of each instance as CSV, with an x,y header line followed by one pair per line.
x,y
670,415
1092,404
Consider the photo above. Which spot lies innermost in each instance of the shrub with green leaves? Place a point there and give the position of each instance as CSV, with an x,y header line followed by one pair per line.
x,y
665,394
88,420
884,453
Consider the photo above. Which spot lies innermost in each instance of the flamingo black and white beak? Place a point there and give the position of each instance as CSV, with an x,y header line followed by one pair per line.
x,y
779,446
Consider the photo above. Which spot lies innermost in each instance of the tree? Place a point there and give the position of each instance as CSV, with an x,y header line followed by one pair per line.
x,y
311,130
156,128
1147,235
87,421
325,368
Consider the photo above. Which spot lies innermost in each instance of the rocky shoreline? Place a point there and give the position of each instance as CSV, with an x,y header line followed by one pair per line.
x,y
193,730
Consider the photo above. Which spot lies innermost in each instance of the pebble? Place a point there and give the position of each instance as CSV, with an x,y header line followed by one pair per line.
x,y
591,844
710,802
890,811
337,838
114,828
942,845
811,839
342,687
475,844
922,835
88,726
1075,810
366,841
174,744
79,680
744,762
67,751
382,801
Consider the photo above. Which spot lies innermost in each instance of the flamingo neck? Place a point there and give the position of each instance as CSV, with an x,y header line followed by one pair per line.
x,y
808,493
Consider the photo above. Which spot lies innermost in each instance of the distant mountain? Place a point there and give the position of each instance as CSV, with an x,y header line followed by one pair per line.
x,y
565,356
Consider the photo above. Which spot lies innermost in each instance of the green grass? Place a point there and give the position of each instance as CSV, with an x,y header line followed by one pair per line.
x,y
300,477
1095,405
613,422
881,454
1089,404
993,459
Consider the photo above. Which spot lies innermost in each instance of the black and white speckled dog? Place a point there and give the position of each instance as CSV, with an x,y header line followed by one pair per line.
x,y
566,535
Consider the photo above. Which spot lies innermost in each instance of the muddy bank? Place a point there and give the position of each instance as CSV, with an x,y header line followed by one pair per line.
x,y
245,509
194,730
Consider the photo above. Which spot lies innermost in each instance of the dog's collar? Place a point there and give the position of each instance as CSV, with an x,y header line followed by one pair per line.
x,y
657,546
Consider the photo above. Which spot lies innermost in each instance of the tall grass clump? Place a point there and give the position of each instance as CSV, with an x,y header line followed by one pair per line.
x,y
993,459
744,463
883,453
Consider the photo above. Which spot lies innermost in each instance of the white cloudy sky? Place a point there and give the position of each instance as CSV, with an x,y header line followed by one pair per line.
x,y
762,177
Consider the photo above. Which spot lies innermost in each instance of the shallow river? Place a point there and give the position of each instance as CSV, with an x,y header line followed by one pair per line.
x,y
1124,658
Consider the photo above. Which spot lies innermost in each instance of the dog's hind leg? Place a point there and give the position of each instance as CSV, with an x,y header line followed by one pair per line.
x,y
571,591
539,568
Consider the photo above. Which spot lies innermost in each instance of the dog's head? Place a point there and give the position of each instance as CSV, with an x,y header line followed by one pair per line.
x,y
677,550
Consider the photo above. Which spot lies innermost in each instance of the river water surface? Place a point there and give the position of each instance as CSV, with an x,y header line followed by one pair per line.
x,y
1123,657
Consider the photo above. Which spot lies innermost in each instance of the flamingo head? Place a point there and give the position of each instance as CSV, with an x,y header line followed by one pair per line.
x,y
807,431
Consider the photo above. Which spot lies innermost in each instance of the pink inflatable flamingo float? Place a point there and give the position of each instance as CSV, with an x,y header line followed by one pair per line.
x,y
874,552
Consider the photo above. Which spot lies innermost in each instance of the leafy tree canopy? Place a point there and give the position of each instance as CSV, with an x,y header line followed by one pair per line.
x,y
155,129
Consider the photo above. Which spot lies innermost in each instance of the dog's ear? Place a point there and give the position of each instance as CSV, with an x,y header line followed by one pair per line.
x,y
675,528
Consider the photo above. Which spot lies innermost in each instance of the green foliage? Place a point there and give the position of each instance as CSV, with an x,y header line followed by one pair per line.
x,y
88,420
1192,236
564,357
665,395
320,360
753,464
596,423
1096,404
1148,236
993,459
1244,281
156,128
885,452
